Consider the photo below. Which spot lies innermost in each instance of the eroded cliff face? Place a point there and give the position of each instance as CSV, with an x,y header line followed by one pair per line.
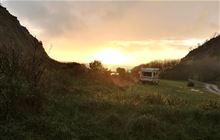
x,y
14,35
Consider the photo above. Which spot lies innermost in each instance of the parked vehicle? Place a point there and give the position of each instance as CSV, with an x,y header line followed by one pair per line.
x,y
150,75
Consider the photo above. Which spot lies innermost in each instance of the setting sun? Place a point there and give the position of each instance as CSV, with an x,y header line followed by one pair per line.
x,y
111,56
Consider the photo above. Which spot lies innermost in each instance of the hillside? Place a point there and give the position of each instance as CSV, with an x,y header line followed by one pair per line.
x,y
12,34
210,49
202,63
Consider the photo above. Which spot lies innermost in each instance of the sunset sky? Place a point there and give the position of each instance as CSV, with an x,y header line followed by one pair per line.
x,y
118,32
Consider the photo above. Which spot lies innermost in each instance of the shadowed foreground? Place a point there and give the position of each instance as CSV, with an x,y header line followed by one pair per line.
x,y
84,107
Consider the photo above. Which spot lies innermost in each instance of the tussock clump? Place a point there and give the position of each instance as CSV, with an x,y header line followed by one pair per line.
x,y
174,101
159,99
113,120
155,99
144,127
190,84
112,126
211,117
211,105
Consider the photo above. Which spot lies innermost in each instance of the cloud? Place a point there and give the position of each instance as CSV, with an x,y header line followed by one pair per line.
x,y
155,45
145,30
126,20
53,18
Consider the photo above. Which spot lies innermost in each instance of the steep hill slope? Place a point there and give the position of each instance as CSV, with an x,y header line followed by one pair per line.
x,y
12,34
202,63
210,48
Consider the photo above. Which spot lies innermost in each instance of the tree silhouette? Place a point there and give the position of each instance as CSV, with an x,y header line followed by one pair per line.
x,y
121,71
96,66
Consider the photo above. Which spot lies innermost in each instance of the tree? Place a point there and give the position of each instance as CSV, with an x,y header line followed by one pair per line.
x,y
96,66
121,71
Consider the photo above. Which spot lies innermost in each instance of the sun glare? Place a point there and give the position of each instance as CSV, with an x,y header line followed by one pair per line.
x,y
111,56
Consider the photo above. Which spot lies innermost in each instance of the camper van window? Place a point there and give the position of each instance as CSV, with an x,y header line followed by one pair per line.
x,y
147,74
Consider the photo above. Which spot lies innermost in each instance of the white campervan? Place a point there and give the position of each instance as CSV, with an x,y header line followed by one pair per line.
x,y
149,75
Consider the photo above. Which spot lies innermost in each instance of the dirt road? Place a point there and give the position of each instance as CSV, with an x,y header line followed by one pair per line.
x,y
212,88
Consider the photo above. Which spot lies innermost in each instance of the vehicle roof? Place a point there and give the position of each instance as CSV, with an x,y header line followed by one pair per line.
x,y
150,69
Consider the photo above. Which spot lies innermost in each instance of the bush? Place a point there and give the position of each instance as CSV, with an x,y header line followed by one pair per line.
x,y
121,72
190,84
19,82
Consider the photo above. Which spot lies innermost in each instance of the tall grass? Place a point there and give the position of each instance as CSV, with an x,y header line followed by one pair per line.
x,y
84,107
19,82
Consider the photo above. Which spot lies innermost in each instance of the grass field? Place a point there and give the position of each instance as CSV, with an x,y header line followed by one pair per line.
x,y
98,110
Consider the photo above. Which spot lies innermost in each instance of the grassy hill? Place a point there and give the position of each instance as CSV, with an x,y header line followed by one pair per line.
x,y
79,108
202,63
57,101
